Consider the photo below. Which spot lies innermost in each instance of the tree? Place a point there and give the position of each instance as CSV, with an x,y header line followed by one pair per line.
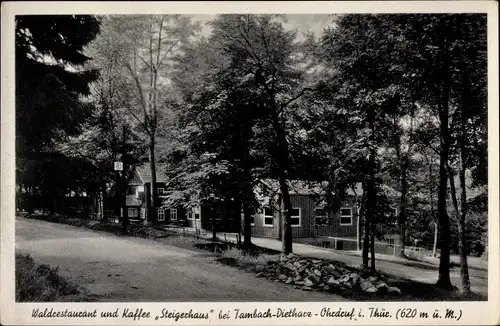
x,y
437,62
50,84
366,88
261,51
145,45
49,79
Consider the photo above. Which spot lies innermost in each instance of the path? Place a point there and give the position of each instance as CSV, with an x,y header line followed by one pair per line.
x,y
125,269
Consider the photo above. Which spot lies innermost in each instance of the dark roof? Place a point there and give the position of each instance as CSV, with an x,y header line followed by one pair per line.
x,y
144,172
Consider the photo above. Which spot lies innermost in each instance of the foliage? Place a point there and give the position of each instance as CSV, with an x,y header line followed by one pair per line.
x,y
49,79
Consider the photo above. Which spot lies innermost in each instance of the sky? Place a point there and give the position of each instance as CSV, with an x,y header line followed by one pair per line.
x,y
302,23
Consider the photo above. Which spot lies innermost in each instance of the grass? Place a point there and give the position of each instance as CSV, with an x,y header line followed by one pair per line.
x,y
42,283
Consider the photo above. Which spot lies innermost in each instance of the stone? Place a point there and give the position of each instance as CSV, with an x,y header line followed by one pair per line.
x,y
282,277
394,290
372,279
371,290
330,268
315,261
348,285
355,278
344,279
317,272
260,274
259,268
297,286
336,273
296,264
308,282
306,288
326,288
382,285
299,282
321,285
290,266
297,278
289,280
366,285
333,281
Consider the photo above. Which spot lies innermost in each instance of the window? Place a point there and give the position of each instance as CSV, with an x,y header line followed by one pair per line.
x,y
133,212
161,214
161,191
195,212
173,214
391,243
346,216
268,217
130,190
143,213
190,215
394,215
320,217
295,216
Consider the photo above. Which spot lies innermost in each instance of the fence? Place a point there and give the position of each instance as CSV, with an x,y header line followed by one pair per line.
x,y
385,248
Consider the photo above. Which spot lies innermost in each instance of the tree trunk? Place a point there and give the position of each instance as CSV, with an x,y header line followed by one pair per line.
x,y
402,209
366,231
372,203
247,230
152,165
125,180
287,241
125,221
443,93
434,246
462,244
281,157
214,227
444,280
372,248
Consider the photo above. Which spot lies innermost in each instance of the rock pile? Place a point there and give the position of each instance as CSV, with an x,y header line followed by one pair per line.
x,y
308,274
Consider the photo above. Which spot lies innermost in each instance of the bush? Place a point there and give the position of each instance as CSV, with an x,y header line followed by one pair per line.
x,y
40,283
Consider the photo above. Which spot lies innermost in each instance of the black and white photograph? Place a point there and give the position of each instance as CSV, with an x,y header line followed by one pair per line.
x,y
252,157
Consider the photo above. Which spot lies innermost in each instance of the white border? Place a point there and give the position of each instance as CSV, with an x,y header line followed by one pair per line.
x,y
480,313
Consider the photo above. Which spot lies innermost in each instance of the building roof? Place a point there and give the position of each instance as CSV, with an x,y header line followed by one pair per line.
x,y
302,187
144,173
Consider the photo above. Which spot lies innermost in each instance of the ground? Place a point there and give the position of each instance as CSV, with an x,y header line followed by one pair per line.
x,y
127,269
424,272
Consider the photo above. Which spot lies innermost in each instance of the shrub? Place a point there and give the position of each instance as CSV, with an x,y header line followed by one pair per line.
x,y
39,283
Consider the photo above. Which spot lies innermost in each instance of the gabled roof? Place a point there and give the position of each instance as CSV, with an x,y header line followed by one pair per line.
x,y
144,173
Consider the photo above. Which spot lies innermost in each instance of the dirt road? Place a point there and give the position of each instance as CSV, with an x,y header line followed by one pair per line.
x,y
124,269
